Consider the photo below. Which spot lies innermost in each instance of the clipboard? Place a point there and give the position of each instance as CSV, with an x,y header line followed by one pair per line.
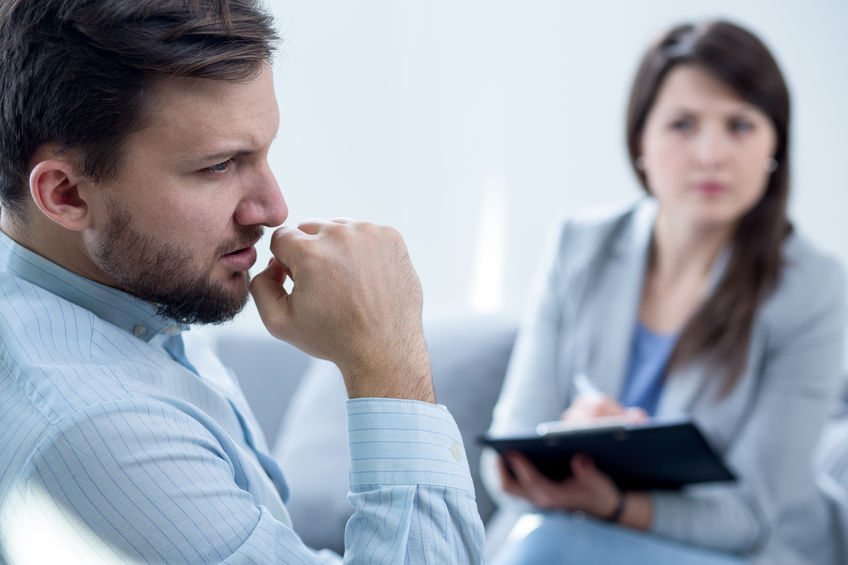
x,y
656,455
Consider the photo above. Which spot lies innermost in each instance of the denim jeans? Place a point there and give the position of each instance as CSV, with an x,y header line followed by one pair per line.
x,y
558,538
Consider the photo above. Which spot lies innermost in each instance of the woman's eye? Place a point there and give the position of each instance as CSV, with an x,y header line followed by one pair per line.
x,y
740,126
682,124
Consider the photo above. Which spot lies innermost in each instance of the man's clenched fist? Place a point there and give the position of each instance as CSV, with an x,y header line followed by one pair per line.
x,y
356,301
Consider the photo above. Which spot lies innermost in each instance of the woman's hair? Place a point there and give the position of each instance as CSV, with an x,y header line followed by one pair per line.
x,y
78,73
720,329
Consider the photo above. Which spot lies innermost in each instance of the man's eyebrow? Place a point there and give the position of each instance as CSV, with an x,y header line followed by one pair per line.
x,y
224,155
221,156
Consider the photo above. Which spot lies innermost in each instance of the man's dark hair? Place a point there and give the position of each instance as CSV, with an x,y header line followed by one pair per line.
x,y
77,72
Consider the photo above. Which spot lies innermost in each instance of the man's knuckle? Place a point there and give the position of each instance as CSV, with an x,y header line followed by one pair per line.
x,y
334,229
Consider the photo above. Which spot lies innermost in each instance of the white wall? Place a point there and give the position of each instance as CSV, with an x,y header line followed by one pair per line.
x,y
405,113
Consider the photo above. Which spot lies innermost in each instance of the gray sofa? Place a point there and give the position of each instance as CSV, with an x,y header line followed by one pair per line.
x,y
299,402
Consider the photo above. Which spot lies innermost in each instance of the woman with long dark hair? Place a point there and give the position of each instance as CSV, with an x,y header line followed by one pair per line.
x,y
699,300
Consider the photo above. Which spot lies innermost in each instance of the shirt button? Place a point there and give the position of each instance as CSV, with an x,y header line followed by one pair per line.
x,y
456,451
172,330
140,330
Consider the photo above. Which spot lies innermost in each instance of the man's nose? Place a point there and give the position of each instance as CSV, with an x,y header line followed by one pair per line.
x,y
264,204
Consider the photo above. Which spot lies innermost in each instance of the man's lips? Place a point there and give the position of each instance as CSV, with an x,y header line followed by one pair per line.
x,y
241,259
241,255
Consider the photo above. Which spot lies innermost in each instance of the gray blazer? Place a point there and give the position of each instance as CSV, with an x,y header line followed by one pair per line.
x,y
581,318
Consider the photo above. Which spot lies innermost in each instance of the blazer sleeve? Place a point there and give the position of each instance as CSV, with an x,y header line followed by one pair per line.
x,y
797,378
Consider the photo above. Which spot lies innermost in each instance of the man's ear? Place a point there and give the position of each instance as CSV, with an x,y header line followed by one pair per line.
x,y
61,193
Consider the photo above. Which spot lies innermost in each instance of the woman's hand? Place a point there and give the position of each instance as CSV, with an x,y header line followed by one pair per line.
x,y
585,409
588,489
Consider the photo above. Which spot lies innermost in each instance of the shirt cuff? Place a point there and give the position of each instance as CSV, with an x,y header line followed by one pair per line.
x,y
405,442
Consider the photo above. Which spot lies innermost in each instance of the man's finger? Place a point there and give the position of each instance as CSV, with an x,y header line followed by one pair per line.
x,y
285,245
271,298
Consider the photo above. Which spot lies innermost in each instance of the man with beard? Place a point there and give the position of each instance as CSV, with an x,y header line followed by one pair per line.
x,y
134,180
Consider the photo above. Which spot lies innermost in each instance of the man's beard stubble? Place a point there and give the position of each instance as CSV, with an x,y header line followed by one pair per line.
x,y
162,274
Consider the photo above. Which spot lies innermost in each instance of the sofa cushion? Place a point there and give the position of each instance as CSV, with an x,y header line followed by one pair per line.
x,y
268,371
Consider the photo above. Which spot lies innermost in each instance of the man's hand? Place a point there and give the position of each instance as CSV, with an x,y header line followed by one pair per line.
x,y
356,301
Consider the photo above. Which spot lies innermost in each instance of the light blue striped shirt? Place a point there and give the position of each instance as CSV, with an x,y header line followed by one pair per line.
x,y
111,450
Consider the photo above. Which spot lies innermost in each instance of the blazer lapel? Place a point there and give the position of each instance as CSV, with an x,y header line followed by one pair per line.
x,y
685,385
681,389
618,288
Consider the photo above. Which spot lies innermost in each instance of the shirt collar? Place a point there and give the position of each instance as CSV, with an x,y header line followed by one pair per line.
x,y
129,313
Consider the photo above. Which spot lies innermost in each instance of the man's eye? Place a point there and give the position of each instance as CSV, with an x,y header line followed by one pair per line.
x,y
220,167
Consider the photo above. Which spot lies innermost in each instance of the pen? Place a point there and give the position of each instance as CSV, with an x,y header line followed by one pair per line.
x,y
585,387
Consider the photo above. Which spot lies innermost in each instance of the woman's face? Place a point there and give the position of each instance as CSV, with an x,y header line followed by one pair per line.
x,y
705,151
